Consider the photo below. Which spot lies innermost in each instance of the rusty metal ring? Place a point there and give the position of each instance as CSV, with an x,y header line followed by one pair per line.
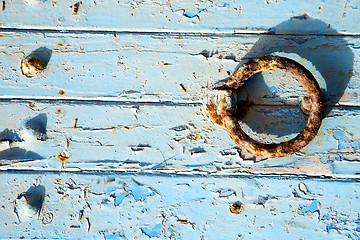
x,y
222,113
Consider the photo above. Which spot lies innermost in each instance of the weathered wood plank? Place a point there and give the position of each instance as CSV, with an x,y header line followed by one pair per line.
x,y
124,206
152,138
154,67
195,16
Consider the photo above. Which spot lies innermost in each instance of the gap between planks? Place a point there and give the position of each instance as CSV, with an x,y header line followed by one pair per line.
x,y
202,33
192,173
142,101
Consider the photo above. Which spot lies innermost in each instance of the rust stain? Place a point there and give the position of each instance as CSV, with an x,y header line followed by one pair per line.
x,y
81,214
3,6
236,208
63,156
76,7
32,105
59,44
61,92
182,87
182,221
75,123
76,227
58,111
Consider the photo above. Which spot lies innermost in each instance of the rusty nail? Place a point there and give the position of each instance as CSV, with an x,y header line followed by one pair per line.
x,y
305,105
32,66
63,155
236,208
76,7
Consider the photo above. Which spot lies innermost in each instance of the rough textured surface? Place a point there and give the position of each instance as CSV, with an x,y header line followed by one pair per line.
x,y
110,140
126,206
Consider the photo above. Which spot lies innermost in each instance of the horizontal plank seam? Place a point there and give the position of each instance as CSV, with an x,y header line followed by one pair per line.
x,y
193,173
139,101
202,33
99,101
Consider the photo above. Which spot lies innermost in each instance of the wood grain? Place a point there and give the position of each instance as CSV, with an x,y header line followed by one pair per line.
x,y
194,16
150,138
110,141
83,206
157,67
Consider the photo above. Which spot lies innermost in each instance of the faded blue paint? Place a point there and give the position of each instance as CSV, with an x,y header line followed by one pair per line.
x,y
142,95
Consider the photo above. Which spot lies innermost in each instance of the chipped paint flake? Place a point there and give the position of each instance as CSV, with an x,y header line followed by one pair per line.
x,y
139,192
312,208
120,198
155,232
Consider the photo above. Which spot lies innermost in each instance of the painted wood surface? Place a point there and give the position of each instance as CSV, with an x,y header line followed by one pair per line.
x,y
125,206
182,15
111,140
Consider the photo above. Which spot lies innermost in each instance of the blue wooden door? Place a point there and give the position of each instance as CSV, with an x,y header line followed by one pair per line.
x,y
109,138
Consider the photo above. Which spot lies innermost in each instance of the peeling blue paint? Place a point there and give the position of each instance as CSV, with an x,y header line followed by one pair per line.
x,y
155,232
339,135
189,14
120,198
111,189
345,142
341,145
358,229
325,217
330,226
226,193
312,208
112,237
140,193
342,139
263,199
274,90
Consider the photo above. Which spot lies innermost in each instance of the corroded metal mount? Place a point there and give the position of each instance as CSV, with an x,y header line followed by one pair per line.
x,y
32,66
222,108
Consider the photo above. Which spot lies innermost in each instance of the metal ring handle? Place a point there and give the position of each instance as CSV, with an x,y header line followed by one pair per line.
x,y
226,117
